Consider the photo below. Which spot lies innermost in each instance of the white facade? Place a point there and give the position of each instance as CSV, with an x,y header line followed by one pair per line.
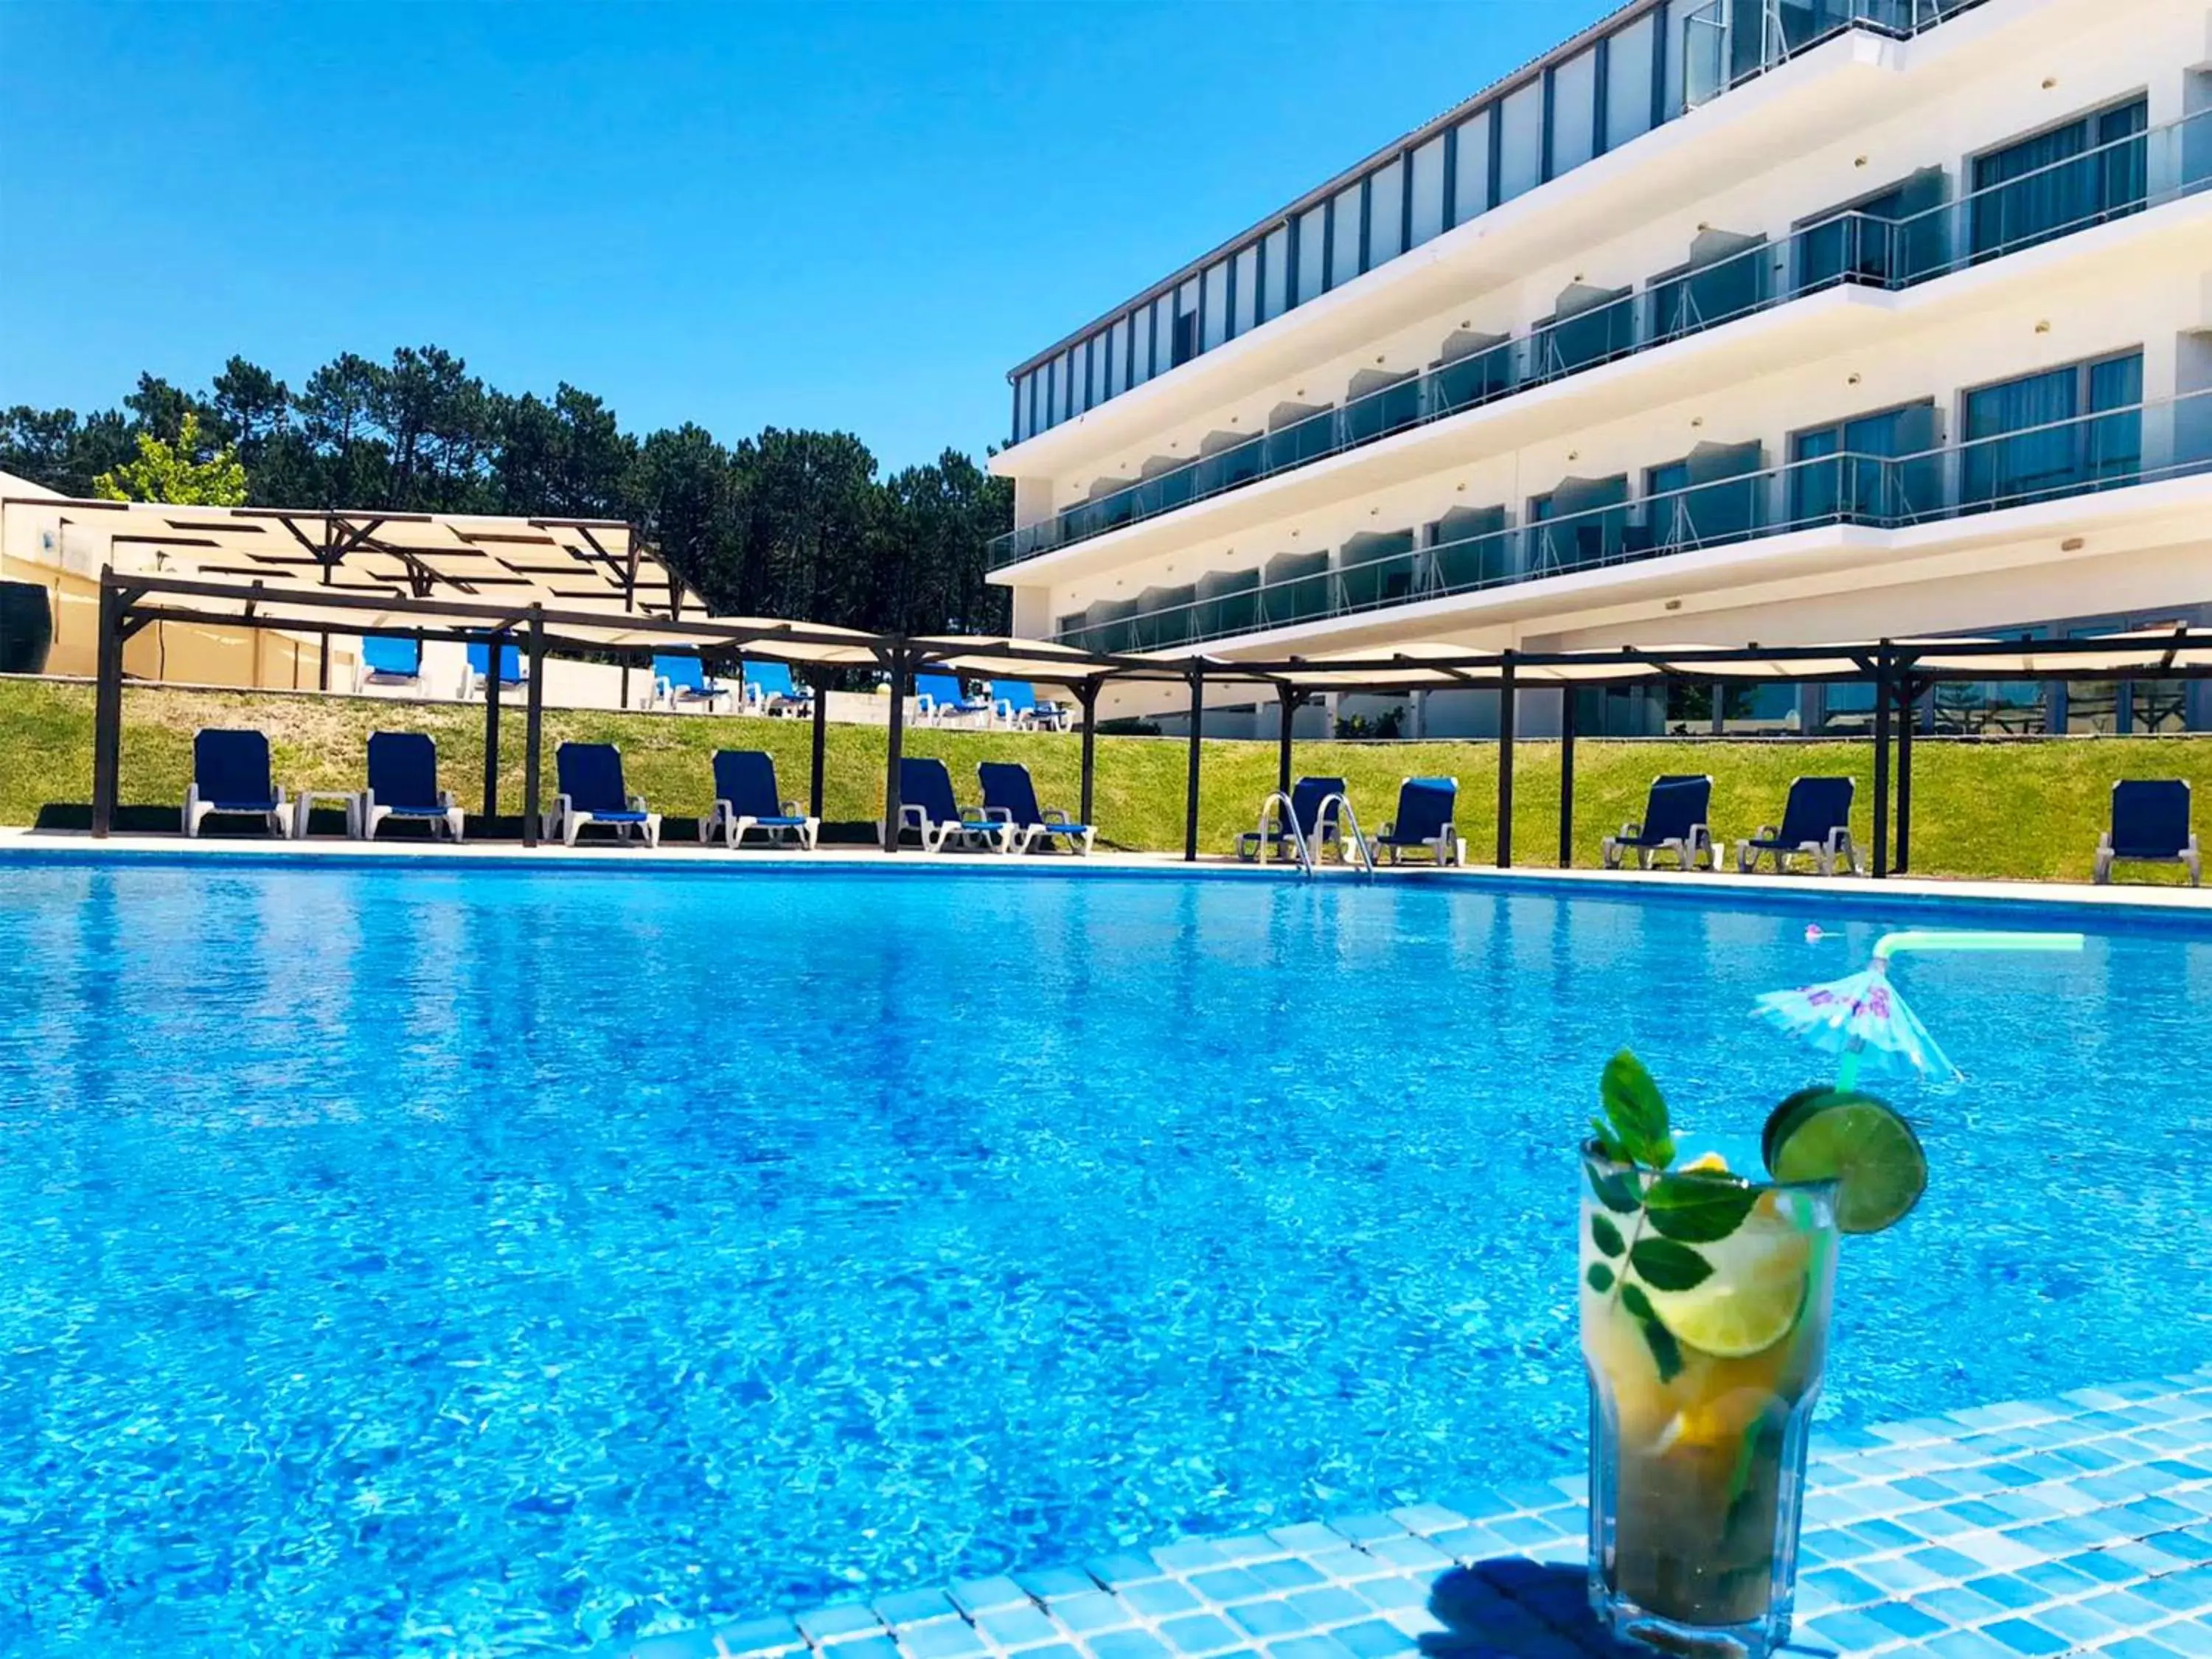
x,y
1783,367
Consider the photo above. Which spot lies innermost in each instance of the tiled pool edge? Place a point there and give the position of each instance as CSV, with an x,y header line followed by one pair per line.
x,y
2081,1524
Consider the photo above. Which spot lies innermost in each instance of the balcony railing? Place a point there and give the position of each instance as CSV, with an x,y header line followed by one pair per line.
x,y
1849,248
1730,41
2106,449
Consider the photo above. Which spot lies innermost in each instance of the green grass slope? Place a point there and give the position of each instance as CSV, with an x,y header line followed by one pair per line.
x,y
2025,810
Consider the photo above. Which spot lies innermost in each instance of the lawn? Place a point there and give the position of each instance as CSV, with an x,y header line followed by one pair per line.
x,y
2016,809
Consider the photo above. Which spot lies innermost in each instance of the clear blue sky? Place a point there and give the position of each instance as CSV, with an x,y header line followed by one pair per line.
x,y
829,215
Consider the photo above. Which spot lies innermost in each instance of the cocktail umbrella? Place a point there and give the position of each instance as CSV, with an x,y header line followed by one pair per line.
x,y
1864,1019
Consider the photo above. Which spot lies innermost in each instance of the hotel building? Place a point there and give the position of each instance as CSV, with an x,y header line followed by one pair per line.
x,y
1726,321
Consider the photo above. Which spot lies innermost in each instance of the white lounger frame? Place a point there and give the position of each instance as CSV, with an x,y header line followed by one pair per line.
x,y
365,815
566,818
726,820
196,810
1686,848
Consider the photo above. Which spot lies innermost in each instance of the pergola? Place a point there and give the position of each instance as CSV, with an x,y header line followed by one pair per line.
x,y
577,587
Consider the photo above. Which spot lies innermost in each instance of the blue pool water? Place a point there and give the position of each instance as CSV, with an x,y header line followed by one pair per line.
x,y
496,1262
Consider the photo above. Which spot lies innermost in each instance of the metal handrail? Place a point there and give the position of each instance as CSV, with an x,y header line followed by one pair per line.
x,y
1358,836
1290,815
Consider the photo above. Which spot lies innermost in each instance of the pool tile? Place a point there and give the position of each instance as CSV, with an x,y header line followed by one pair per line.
x,y
1225,1585
1375,1639
1966,1644
1201,1633
1329,1604
1306,1537
1267,1619
913,1606
1287,1574
2136,1647
2019,1635
1095,1611
840,1619
674,1644
1959,1607
1051,1583
1020,1627
1424,1519
1392,1593
757,1636
941,1639
1190,1555
1410,1552
974,1595
1162,1598
1361,1528
1309,1647
1127,1645
1115,1571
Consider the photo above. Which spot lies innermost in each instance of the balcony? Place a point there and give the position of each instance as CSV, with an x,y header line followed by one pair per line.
x,y
1725,496
1910,243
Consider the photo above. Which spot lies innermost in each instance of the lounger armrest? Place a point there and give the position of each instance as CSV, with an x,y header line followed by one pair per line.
x,y
792,808
1768,832
912,816
662,687
1838,839
2104,840
637,804
1631,831
446,799
1057,815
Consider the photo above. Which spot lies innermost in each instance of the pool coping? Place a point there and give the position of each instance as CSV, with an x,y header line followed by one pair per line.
x,y
77,847
2078,1524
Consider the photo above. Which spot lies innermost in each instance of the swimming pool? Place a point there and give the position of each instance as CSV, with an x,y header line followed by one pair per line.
x,y
430,1260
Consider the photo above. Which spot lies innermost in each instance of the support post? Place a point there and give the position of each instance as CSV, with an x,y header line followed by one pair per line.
x,y
533,727
1506,763
1566,777
894,751
491,734
107,709
1908,695
1190,783
820,745
1087,694
1881,701
323,661
1289,700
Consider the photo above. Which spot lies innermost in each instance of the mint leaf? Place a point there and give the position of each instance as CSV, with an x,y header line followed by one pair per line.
x,y
1606,1236
1666,1352
1637,1110
1698,1209
1633,1299
1666,1266
1615,1189
1600,1277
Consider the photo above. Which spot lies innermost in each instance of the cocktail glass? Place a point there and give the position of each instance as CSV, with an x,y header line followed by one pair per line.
x,y
1697,1457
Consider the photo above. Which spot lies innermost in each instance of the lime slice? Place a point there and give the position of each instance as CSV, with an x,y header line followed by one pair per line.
x,y
1750,1301
1864,1146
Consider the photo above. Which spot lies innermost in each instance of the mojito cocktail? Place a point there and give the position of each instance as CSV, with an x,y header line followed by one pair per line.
x,y
1702,1387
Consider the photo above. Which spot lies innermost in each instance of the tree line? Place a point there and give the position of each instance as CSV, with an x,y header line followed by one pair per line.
x,y
793,524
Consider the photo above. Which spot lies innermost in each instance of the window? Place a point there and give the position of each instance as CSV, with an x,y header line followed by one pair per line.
x,y
1345,233
1312,252
1574,112
1186,336
1117,358
2079,175
1052,393
1215,307
1385,212
1163,333
1843,472
1276,278
1087,377
1471,169
1521,142
2053,434
1428,192
1245,287
1628,82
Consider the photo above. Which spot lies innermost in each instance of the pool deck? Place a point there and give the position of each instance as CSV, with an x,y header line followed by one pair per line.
x,y
2119,897
2078,1525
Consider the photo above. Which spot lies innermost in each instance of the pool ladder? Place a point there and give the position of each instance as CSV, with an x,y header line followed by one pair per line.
x,y
1310,856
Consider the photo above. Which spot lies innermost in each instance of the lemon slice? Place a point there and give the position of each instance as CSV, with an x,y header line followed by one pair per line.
x,y
1750,1302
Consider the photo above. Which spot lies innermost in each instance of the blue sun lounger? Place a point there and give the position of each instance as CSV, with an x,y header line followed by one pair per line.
x,y
1676,819
1425,821
1816,822
1010,798
402,783
939,697
680,679
591,791
1319,828
2150,825
927,807
1015,702
745,799
388,661
512,673
767,689
230,777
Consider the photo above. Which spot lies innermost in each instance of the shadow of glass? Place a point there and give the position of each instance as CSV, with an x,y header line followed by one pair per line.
x,y
1516,1608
